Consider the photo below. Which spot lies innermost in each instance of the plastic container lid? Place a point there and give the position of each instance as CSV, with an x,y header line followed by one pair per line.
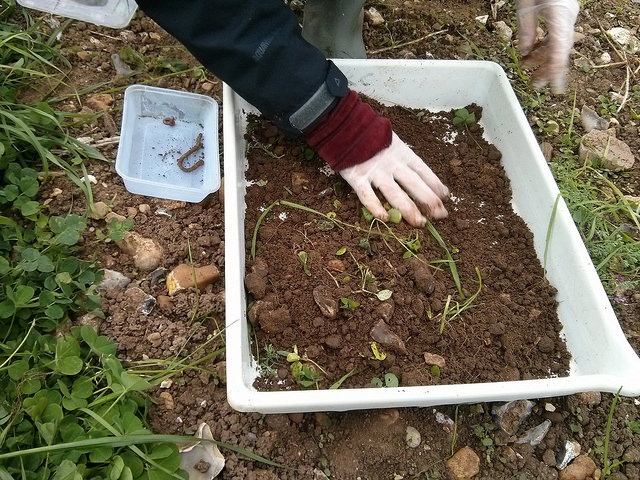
x,y
159,125
109,13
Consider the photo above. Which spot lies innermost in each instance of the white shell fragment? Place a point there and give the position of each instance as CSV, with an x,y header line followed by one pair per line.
x,y
202,460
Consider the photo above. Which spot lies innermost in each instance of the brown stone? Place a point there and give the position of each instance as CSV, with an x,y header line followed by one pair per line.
x,y
336,265
582,468
182,277
324,299
615,154
146,254
300,182
164,302
100,101
296,417
99,210
155,339
117,216
434,359
167,400
464,464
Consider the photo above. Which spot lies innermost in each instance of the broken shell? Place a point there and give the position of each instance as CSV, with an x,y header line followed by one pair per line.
x,y
201,460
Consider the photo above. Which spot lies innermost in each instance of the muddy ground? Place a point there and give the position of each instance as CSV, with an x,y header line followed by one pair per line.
x,y
361,444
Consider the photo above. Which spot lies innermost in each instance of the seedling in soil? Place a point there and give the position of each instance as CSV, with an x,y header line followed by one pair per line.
x,y
303,259
390,381
435,370
377,354
451,312
412,246
606,471
269,361
304,375
348,304
483,433
366,245
368,216
337,385
464,117
115,230
633,426
341,251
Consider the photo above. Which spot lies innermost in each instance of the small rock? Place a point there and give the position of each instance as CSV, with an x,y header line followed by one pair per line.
x,y
336,265
464,464
422,276
591,120
547,151
615,154
146,254
182,277
503,30
549,407
512,414
270,318
112,279
413,437
132,212
166,383
333,341
99,210
296,417
434,359
167,400
582,468
90,319
482,19
256,285
632,454
148,305
589,398
144,208
373,17
300,182
84,56
384,311
549,458
100,101
578,37
569,451
164,302
604,59
546,345
207,87
382,334
55,192
117,216
389,416
625,38
323,297
535,435
155,36
155,339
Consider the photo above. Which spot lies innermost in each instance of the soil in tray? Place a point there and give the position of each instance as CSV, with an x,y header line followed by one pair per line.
x,y
313,282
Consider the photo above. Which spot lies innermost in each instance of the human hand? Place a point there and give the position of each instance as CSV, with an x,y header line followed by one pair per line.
x,y
404,179
552,55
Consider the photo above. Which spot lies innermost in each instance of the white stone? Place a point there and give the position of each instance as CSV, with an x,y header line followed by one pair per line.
x,y
625,38
503,30
604,59
413,437
482,19
373,17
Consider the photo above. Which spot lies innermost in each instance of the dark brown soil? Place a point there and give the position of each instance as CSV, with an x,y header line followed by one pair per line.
x,y
510,332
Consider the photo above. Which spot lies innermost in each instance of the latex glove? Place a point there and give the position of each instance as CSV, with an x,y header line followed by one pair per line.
x,y
552,55
404,179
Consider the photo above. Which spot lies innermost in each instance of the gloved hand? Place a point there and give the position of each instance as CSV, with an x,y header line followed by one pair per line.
x,y
360,145
404,179
552,55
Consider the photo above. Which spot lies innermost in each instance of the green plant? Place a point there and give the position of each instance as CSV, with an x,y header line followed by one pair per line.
x,y
483,433
269,361
607,467
304,257
115,230
634,426
348,304
608,107
389,381
464,117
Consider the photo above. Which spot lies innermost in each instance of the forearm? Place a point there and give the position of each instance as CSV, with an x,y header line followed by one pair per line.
x,y
256,47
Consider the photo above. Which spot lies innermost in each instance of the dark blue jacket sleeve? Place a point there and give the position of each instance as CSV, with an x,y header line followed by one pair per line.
x,y
256,47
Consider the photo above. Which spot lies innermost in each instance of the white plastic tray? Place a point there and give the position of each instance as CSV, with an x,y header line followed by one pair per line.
x,y
110,13
149,149
602,359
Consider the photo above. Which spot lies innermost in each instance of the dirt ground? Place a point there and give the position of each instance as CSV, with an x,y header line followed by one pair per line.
x,y
352,445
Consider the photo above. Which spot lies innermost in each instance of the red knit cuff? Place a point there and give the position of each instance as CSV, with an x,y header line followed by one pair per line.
x,y
350,134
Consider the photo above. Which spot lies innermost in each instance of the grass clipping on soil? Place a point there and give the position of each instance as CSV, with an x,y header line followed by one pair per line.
x,y
333,292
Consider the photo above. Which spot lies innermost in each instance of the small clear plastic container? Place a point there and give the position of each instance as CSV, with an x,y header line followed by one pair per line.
x,y
159,125
109,13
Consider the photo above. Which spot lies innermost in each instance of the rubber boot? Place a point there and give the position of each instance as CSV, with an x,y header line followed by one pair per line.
x,y
335,27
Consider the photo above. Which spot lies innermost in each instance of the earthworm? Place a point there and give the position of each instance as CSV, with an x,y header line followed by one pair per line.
x,y
193,149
